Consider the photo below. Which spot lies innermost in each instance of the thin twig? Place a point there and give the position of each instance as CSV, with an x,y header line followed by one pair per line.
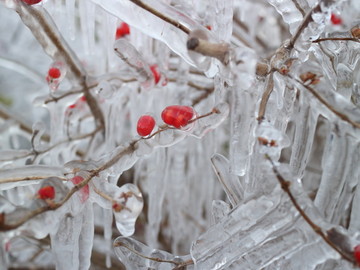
x,y
28,178
92,173
336,39
178,264
201,97
324,102
299,8
265,97
49,32
37,152
285,185
306,21
161,16
5,114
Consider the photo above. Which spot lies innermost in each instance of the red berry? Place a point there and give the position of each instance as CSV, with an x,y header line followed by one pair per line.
x,y
156,73
54,73
31,2
145,125
84,191
47,192
209,27
122,30
357,254
336,20
177,116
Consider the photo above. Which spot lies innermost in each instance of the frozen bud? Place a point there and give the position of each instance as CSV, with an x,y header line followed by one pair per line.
x,y
199,43
127,206
355,32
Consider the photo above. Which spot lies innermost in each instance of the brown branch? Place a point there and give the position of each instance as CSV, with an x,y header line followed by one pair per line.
x,y
178,264
265,97
220,51
285,185
92,173
36,152
336,39
161,16
27,178
4,114
324,102
306,21
56,99
27,12
299,8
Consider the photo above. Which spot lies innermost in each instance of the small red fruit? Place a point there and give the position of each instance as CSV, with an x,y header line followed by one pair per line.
x,y
357,254
209,27
84,192
122,30
31,2
54,73
145,125
336,20
177,116
155,71
47,192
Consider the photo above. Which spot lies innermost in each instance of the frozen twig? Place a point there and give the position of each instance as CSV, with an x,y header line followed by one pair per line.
x,y
220,51
324,102
161,16
285,185
35,152
306,21
91,173
265,97
179,265
336,39
49,37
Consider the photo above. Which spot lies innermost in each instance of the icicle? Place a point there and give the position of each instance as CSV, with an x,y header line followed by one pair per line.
x,y
229,182
153,26
107,225
290,13
220,209
70,12
37,19
86,237
136,61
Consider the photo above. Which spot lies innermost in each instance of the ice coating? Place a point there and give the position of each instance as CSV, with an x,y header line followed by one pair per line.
x,y
280,96
158,29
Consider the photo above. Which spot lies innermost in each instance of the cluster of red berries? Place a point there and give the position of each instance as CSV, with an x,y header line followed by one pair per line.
x,y
177,116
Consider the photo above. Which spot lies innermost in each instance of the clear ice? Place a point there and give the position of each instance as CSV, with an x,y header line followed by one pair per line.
x,y
206,196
